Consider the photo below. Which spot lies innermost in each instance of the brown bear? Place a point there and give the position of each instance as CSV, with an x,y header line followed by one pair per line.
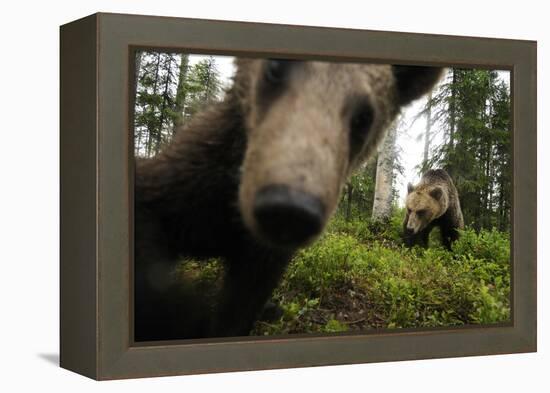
x,y
250,180
433,202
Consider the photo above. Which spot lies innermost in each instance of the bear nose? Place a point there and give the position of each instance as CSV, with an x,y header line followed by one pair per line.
x,y
288,217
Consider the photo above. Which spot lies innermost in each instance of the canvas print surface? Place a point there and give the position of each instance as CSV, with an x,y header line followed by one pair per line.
x,y
276,197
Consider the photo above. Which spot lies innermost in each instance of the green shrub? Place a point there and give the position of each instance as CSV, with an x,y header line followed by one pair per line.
x,y
334,326
324,265
359,275
400,287
488,245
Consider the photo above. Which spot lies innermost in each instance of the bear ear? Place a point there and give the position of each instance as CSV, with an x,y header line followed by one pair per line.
x,y
410,188
436,193
414,81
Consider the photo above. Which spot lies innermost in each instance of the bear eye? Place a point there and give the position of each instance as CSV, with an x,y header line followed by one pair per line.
x,y
277,70
361,119
420,213
360,122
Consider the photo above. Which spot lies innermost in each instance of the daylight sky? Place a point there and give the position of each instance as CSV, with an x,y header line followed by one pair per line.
x,y
410,139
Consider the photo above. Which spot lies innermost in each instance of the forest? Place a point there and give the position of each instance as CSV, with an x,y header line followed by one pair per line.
x,y
359,275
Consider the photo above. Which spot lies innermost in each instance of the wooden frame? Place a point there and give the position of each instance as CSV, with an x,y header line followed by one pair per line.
x,y
96,163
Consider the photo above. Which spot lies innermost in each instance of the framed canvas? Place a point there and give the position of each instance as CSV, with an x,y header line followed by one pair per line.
x,y
233,196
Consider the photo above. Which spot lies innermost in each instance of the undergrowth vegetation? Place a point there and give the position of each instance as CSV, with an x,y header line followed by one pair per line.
x,y
359,276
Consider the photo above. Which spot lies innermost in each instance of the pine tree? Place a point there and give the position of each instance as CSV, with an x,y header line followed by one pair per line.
x,y
204,85
473,111
168,92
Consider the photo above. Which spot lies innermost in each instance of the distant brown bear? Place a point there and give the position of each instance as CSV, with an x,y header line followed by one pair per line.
x,y
433,202
250,180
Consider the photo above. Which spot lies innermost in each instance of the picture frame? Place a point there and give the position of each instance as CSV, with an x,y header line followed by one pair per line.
x,y
96,163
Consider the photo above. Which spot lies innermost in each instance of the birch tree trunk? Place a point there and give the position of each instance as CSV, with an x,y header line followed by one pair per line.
x,y
137,68
427,134
138,131
181,94
452,110
383,195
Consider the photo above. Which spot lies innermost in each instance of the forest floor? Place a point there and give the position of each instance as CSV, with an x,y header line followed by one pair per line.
x,y
359,276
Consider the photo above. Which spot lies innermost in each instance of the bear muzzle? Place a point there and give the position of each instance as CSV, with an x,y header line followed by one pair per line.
x,y
288,217
414,226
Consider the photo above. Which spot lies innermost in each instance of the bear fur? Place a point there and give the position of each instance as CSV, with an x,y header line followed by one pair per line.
x,y
434,202
250,180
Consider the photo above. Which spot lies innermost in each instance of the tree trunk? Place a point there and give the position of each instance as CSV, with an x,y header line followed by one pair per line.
x,y
181,94
383,195
427,134
138,132
452,111
137,68
163,107
207,82
348,207
150,129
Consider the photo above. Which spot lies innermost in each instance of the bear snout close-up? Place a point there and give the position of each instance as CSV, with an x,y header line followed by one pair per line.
x,y
288,217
